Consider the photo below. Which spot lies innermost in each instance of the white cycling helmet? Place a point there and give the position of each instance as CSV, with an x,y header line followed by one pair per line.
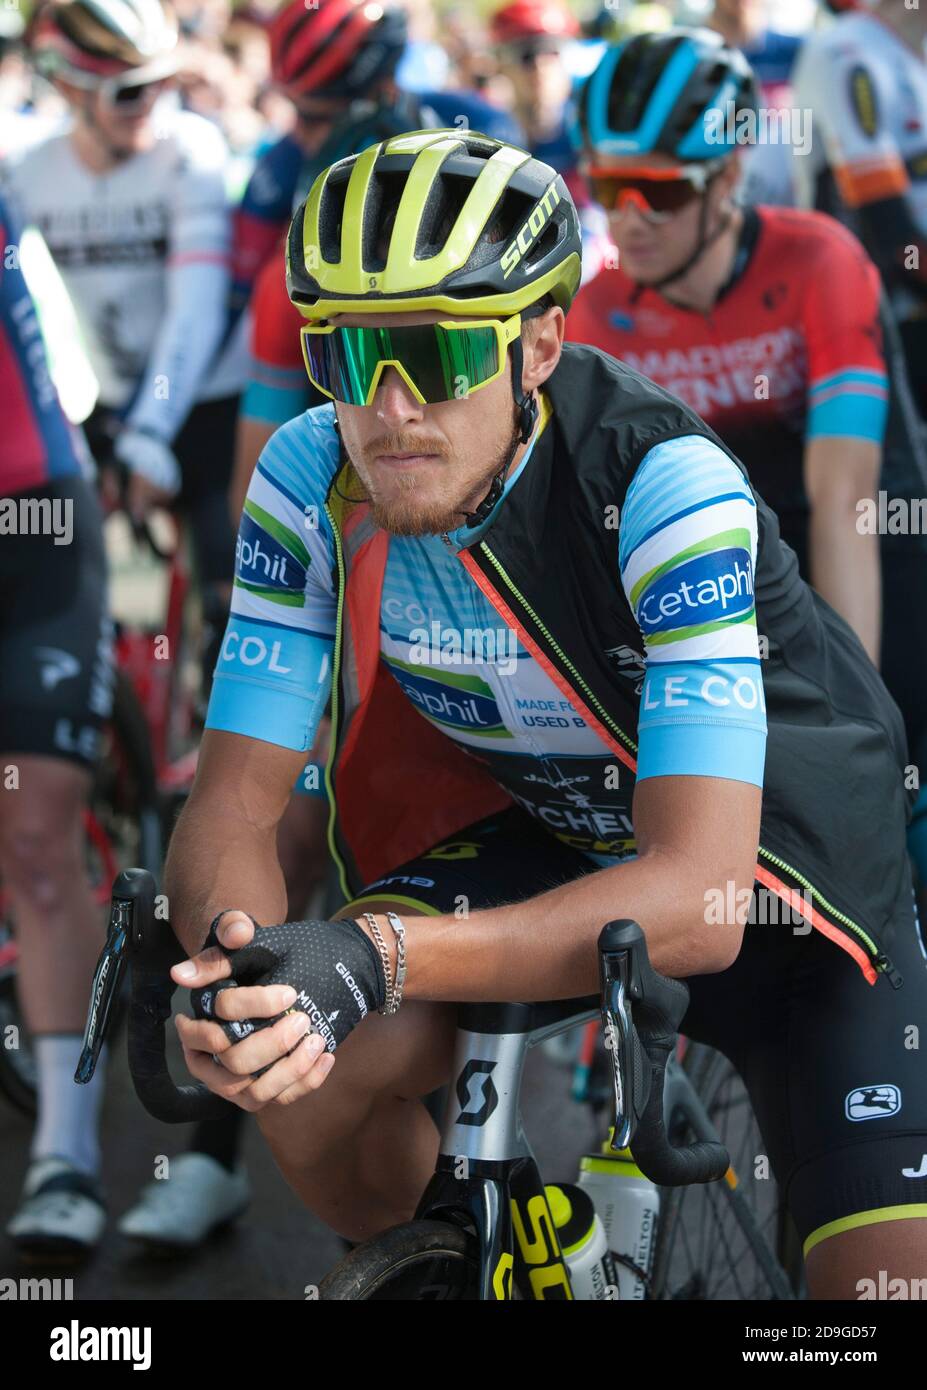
x,y
88,42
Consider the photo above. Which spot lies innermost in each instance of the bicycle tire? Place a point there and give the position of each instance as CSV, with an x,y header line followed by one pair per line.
x,y
417,1261
126,783
715,1080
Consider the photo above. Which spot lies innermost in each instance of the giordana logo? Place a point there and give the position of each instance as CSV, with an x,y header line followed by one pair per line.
x,y
873,1102
454,701
702,590
263,562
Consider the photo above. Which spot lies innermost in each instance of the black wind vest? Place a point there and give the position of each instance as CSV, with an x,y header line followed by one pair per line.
x,y
834,799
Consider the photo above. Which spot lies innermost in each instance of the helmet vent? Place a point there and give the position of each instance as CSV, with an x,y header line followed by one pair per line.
x,y
445,199
635,78
331,213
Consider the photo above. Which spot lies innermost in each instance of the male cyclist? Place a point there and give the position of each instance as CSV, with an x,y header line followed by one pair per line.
x,y
864,78
55,693
131,202
534,581
765,321
336,61
529,38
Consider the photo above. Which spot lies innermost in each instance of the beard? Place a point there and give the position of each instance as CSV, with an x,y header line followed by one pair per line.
x,y
414,507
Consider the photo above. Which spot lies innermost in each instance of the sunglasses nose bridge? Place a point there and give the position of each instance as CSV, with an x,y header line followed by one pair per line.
x,y
396,391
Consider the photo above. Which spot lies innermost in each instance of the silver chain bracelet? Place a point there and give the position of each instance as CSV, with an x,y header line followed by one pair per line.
x,y
389,1006
400,931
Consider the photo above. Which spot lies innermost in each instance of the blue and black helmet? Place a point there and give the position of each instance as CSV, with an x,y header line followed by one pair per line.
x,y
654,92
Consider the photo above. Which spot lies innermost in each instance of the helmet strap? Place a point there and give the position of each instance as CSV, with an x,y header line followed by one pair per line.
x,y
527,418
702,244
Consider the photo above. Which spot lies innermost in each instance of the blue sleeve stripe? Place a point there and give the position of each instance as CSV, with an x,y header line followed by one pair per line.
x,y
848,416
672,481
733,752
277,716
861,375
280,627
302,457
275,404
677,516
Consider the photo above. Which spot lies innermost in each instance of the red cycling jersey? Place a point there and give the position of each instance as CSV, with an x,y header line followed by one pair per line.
x,y
790,351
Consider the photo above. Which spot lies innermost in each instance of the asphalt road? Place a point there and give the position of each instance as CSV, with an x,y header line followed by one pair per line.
x,y
277,1247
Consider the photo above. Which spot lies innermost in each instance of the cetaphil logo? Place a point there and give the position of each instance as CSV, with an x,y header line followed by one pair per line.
x,y
264,564
482,1090
705,589
454,701
57,666
873,1102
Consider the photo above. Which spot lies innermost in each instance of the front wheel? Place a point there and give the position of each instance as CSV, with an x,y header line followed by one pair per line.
x,y
418,1261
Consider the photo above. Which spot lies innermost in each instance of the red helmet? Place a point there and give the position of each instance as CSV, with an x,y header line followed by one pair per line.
x,y
335,48
526,20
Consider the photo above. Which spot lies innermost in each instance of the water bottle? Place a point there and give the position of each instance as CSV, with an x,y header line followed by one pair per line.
x,y
628,1205
582,1242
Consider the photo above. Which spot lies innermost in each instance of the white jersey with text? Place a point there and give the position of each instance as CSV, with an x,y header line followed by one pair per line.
x,y
867,91
143,249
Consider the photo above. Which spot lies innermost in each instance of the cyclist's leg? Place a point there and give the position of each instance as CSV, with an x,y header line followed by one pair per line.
x,y
55,690
807,1033
360,1150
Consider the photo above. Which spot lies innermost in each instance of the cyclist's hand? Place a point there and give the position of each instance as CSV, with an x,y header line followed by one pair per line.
x,y
142,497
153,469
329,976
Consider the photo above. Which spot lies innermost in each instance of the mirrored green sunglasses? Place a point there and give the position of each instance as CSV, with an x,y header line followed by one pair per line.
x,y
437,361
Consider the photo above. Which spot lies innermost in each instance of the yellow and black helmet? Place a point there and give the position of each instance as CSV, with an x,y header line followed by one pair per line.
x,y
449,220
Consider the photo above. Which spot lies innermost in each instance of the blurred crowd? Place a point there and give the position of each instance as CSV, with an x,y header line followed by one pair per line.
x,y
225,65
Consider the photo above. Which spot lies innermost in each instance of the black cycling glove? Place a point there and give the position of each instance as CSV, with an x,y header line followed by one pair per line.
x,y
333,966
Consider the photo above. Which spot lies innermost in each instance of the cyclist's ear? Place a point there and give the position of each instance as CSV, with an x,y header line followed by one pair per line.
x,y
542,342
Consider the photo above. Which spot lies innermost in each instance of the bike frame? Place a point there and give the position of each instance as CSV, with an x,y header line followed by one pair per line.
x,y
486,1172
487,1176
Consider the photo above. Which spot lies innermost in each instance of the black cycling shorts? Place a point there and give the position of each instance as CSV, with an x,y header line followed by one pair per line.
x,y
56,661
837,1087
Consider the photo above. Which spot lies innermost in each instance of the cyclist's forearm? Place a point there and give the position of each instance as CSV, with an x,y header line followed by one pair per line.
x,y
840,474
544,948
846,571
219,860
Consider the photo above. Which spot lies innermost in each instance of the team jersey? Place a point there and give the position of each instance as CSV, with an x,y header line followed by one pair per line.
x,y
685,557
37,442
143,251
868,93
790,352
278,388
